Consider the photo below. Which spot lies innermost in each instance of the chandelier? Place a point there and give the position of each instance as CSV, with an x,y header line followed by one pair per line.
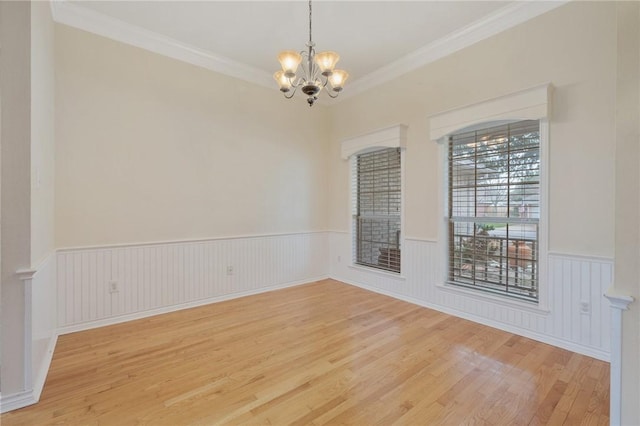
x,y
318,71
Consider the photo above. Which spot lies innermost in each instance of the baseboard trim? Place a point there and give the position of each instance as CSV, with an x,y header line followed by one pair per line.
x,y
570,346
173,308
41,375
32,396
16,400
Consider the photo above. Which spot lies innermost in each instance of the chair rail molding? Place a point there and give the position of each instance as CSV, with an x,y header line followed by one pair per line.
x,y
619,302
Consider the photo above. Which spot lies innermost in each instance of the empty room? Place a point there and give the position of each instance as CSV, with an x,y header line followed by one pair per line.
x,y
320,212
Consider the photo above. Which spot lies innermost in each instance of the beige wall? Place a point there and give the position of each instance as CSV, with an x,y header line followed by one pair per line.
x,y
15,28
573,48
42,132
152,149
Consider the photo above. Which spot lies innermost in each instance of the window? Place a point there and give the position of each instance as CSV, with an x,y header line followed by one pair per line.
x,y
494,209
377,192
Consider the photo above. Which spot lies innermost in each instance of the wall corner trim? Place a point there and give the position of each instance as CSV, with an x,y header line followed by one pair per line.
x,y
619,302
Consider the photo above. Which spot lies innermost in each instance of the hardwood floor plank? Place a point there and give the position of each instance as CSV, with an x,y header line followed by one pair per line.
x,y
318,354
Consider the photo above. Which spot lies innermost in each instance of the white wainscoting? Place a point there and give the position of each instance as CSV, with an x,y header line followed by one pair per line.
x,y
40,334
44,317
157,278
571,280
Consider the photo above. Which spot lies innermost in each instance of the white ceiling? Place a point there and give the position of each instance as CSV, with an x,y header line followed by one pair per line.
x,y
376,40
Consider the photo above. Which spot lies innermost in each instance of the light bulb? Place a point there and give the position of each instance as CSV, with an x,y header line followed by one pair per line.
x,y
289,60
283,82
327,62
337,79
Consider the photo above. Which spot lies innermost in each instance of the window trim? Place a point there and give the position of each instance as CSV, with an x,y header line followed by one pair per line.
x,y
467,217
389,137
530,104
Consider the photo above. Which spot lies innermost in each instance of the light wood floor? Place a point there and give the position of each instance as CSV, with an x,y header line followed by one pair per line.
x,y
323,353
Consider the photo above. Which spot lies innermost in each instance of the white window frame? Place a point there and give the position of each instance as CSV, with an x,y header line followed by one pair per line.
x,y
389,137
530,104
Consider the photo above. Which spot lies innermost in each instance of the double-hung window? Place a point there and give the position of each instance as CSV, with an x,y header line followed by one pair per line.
x,y
376,197
376,208
494,208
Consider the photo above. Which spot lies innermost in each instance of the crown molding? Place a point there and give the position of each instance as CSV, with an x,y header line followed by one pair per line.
x,y
76,16
71,14
501,20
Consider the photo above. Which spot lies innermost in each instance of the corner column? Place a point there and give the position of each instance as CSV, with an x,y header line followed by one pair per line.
x,y
619,302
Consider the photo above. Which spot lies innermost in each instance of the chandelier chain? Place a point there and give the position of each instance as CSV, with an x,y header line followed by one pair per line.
x,y
310,41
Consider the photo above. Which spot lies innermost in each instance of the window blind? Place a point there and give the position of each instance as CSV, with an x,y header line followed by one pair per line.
x,y
494,208
376,188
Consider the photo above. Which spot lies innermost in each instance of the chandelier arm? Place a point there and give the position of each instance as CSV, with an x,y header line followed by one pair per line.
x,y
324,86
296,84
293,92
330,95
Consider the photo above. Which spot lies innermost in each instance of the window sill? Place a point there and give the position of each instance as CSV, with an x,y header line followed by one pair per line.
x,y
392,275
501,300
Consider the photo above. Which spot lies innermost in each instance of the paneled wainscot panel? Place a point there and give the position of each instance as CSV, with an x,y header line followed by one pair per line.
x,y
573,281
156,278
98,286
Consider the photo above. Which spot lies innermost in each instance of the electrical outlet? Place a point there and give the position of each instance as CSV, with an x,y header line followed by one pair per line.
x,y
113,287
339,259
229,270
585,307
